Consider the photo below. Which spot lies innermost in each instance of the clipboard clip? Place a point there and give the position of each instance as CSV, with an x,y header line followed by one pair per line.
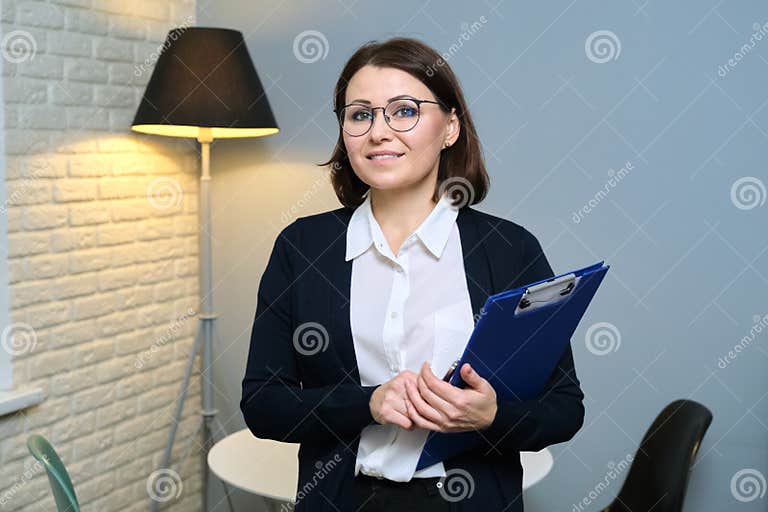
x,y
549,291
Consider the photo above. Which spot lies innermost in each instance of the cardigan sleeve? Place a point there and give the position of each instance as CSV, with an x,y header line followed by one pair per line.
x,y
558,412
274,402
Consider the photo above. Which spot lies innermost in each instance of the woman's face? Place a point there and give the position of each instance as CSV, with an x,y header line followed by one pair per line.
x,y
419,148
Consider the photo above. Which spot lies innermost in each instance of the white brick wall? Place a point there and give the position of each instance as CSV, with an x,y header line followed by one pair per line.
x,y
98,271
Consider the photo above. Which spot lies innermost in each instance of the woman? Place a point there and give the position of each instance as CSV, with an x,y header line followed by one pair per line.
x,y
362,309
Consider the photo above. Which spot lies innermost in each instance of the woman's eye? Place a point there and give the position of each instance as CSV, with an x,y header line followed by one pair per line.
x,y
405,112
361,115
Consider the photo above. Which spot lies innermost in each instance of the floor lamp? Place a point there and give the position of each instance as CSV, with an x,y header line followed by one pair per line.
x,y
204,86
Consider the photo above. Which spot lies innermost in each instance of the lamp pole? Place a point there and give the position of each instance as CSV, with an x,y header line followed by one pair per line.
x,y
206,316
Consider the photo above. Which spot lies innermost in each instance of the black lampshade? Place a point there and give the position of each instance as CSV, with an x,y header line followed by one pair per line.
x,y
204,78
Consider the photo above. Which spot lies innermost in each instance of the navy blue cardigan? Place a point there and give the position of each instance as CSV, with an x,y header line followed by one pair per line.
x,y
297,393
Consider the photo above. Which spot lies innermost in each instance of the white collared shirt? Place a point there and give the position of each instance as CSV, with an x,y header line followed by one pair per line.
x,y
405,309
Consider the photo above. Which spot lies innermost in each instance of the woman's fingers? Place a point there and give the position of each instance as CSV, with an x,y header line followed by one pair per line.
x,y
446,393
437,398
423,409
416,401
401,420
420,421
399,412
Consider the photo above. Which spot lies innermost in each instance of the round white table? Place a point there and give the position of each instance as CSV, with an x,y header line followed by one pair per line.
x,y
271,469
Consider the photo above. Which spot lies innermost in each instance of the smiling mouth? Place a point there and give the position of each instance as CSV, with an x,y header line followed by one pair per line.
x,y
384,157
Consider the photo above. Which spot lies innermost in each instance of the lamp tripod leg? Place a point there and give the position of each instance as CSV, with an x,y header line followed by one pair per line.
x,y
181,398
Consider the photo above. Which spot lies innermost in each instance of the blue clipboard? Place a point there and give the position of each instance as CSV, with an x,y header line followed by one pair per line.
x,y
516,344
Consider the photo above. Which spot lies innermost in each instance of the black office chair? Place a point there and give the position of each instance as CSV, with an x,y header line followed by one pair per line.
x,y
658,477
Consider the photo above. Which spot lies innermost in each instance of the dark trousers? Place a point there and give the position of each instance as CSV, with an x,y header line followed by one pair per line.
x,y
382,495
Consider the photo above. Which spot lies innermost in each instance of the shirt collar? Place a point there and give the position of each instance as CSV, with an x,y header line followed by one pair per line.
x,y
363,229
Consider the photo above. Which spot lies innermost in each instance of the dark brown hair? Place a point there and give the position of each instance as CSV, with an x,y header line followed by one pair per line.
x,y
463,159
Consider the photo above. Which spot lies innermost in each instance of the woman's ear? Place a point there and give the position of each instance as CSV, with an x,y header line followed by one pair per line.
x,y
454,127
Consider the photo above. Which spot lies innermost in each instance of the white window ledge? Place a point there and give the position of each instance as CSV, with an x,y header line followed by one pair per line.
x,y
18,399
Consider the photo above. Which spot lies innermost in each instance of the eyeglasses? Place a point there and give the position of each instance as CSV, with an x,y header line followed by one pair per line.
x,y
401,115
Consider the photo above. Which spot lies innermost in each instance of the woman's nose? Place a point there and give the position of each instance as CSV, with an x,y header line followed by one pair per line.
x,y
380,129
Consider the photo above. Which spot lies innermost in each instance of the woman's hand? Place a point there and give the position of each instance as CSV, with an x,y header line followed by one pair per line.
x,y
437,405
388,401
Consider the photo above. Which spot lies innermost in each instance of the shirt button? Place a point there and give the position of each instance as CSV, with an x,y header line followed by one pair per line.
x,y
399,270
393,314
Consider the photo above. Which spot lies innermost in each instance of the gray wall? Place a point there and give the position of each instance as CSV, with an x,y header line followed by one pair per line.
x,y
683,229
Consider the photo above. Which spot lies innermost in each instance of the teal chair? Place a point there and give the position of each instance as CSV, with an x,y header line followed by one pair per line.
x,y
63,491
